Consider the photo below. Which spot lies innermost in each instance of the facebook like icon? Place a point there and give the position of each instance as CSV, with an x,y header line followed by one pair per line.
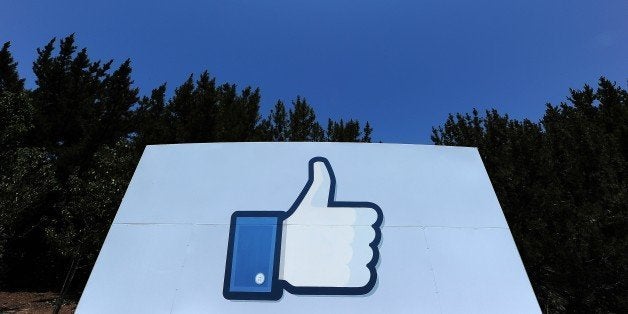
x,y
320,246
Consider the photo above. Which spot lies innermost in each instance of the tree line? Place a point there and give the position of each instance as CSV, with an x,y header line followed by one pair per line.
x,y
562,185
69,146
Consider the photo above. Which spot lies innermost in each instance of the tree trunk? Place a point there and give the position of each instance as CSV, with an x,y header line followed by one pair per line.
x,y
66,284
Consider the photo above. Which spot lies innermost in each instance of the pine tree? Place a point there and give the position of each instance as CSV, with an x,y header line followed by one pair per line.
x,y
366,138
238,115
302,121
153,121
79,104
69,146
182,108
80,108
562,185
345,132
27,181
279,122
10,80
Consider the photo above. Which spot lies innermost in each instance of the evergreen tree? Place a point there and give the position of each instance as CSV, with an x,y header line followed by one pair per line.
x,y
91,200
562,185
238,114
279,121
79,105
348,132
27,180
193,110
10,80
183,109
68,149
302,121
153,120
366,138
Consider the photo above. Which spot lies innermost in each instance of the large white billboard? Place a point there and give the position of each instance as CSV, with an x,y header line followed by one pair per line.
x,y
309,228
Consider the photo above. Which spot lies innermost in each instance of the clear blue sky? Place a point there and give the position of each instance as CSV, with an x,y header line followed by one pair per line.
x,y
403,65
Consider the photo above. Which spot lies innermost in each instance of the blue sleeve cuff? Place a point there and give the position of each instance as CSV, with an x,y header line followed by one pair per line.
x,y
253,256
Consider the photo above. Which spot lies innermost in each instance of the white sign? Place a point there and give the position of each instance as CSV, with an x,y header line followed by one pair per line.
x,y
309,228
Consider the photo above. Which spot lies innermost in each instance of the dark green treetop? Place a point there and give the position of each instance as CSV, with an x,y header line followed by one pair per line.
x,y
563,186
10,80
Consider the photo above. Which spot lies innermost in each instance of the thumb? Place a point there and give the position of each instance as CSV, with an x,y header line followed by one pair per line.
x,y
320,184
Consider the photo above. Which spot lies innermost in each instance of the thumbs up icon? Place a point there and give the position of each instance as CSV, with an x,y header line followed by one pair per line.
x,y
320,246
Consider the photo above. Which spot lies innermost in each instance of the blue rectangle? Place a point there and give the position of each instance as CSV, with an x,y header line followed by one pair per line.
x,y
253,253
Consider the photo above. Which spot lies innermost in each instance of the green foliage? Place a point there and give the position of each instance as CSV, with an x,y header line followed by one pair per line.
x,y
302,122
279,123
347,132
368,131
16,120
68,149
80,105
9,78
203,112
27,180
153,121
562,185
90,202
